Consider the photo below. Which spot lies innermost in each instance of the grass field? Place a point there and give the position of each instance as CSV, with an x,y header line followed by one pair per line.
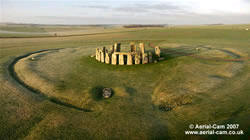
x,y
56,94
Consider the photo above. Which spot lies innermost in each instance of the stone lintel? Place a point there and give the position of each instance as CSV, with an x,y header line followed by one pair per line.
x,y
121,53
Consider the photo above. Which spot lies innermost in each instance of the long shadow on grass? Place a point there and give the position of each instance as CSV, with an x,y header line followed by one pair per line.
x,y
13,74
171,53
177,52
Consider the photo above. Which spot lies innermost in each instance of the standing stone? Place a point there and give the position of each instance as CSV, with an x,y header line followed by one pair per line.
x,y
145,58
102,57
121,59
114,59
132,47
97,57
117,47
142,49
112,49
104,50
96,51
157,51
150,58
107,58
137,59
129,59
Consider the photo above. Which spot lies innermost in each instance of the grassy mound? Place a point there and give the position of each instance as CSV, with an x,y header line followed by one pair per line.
x,y
71,76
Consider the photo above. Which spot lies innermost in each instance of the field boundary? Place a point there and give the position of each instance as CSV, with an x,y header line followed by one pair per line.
x,y
73,35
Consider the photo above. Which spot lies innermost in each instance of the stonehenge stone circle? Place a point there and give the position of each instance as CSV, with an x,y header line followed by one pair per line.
x,y
115,56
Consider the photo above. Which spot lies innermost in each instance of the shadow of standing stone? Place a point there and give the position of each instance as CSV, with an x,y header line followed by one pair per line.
x,y
96,93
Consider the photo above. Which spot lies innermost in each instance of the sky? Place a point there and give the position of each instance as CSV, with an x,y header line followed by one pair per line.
x,y
176,12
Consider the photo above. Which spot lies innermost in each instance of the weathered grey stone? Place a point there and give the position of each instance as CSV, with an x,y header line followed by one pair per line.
x,y
102,57
121,59
145,58
137,59
132,47
142,49
129,59
107,58
114,59
158,51
150,57
106,92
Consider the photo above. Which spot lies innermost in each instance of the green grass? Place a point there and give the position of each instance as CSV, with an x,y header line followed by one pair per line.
x,y
219,90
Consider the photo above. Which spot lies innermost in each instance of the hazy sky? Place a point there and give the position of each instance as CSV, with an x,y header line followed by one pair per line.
x,y
125,11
